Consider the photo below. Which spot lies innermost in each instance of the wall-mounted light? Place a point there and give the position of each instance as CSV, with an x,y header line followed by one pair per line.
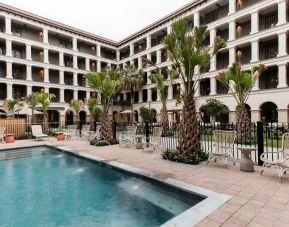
x,y
41,73
41,33
93,48
239,55
239,29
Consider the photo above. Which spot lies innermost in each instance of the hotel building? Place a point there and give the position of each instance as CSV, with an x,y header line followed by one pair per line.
x,y
37,53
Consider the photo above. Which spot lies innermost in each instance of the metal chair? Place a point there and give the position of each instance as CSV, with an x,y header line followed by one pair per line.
x,y
223,146
155,138
2,134
128,137
71,132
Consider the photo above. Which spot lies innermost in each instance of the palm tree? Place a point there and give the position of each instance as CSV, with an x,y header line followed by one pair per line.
x,y
108,84
11,105
240,84
32,101
93,109
44,101
76,106
188,50
159,81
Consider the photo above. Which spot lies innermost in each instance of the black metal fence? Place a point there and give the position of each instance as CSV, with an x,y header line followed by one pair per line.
x,y
264,137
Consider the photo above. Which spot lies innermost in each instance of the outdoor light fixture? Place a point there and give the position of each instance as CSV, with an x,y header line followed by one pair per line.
x,y
41,34
239,29
239,55
41,73
93,48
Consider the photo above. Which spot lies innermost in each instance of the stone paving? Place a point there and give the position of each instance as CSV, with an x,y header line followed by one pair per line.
x,y
256,200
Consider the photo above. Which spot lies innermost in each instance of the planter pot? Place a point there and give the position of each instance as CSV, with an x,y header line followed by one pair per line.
x,y
60,137
9,138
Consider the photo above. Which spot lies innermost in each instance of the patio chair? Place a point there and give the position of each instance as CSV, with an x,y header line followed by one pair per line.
x,y
94,135
85,131
2,134
128,137
223,146
71,132
277,159
155,138
38,133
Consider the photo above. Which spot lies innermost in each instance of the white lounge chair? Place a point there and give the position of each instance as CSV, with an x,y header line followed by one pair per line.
x,y
2,134
155,138
94,135
278,159
71,132
223,146
128,137
38,133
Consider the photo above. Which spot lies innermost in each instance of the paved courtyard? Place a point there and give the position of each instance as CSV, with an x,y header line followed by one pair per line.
x,y
256,200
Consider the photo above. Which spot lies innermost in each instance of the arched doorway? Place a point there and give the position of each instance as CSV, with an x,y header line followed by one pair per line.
x,y
248,109
135,113
269,112
69,117
53,118
82,117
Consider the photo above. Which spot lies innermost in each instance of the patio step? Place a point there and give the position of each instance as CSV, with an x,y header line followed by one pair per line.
x,y
15,154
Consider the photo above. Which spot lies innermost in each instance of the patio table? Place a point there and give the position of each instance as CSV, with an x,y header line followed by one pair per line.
x,y
246,163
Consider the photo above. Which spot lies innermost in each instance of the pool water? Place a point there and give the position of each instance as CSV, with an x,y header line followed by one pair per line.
x,y
45,187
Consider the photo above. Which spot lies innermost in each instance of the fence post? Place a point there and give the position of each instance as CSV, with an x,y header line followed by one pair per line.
x,y
147,133
114,130
260,141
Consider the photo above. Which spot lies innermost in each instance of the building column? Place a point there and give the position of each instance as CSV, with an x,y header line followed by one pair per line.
x,y
140,96
75,81
283,115
75,94
46,75
98,50
232,116
149,95
139,63
254,22
75,66
213,61
46,56
198,91
255,51
61,77
170,92
8,48
232,30
149,42
28,52
29,72
158,96
232,7
9,91
148,77
74,44
87,66
169,29
87,94
282,76
255,115
8,25
282,44
98,66
118,55
159,56
256,86
28,90
9,70
282,9
196,19
61,99
232,56
61,58
46,89
45,36
213,84
131,49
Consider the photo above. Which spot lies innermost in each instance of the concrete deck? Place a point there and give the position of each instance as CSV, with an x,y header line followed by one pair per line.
x,y
256,200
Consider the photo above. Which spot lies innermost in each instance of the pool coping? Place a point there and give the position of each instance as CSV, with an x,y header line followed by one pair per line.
x,y
211,202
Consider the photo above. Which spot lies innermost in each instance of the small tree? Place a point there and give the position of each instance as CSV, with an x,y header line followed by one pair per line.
x,y
32,101
214,108
76,106
11,105
240,84
44,99
147,114
95,111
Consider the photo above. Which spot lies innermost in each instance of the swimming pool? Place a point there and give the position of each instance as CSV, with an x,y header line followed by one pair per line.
x,y
45,187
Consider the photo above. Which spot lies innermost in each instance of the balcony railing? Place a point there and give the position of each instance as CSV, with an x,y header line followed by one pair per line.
x,y
246,3
268,21
268,50
215,15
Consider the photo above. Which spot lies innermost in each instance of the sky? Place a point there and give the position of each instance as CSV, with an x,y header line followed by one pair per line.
x,y
112,19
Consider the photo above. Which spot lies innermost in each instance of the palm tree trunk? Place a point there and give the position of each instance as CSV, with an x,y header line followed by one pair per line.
x,y
243,123
33,117
165,120
189,128
45,122
106,127
91,120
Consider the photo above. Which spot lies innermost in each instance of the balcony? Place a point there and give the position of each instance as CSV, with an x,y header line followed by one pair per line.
x,y
268,20
140,46
221,89
223,33
222,60
242,4
18,72
60,41
2,24
19,91
54,76
37,54
268,49
158,37
269,79
68,95
68,78
53,57
124,53
81,80
37,74
81,63
56,92
93,65
2,69
68,61
3,91
176,91
243,27
26,31
86,48
18,51
243,54
37,89
108,53
154,94
205,87
2,47
82,95
216,12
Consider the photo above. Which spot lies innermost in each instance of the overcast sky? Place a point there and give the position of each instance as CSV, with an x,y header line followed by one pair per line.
x,y
113,19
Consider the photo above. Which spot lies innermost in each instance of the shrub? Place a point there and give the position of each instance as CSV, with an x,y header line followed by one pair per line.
x,y
101,143
192,158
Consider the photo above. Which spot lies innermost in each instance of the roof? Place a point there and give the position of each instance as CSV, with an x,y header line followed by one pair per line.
x,y
31,16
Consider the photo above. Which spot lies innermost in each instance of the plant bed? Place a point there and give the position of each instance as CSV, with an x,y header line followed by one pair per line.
x,y
102,143
193,158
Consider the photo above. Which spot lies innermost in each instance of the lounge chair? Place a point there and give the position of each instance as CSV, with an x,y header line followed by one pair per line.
x,y
2,134
94,135
223,146
71,132
278,159
38,133
128,137
85,131
155,138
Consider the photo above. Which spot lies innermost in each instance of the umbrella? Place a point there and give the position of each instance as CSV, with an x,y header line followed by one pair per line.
x,y
25,110
126,112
